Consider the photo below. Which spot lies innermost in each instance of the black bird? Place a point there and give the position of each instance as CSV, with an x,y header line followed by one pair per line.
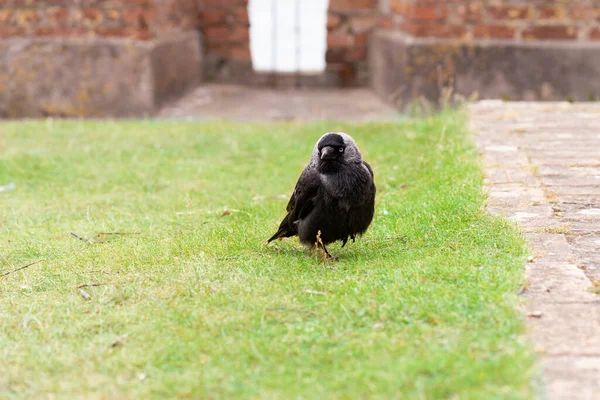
x,y
335,195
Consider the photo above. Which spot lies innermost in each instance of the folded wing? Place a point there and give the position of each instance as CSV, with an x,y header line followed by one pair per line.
x,y
301,203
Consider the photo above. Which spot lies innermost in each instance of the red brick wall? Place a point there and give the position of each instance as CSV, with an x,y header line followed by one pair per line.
x,y
349,24
501,19
225,28
138,19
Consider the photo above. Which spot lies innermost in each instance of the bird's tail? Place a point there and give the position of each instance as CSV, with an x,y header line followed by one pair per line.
x,y
280,234
285,230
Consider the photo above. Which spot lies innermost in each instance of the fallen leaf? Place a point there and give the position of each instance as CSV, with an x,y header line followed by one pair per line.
x,y
8,187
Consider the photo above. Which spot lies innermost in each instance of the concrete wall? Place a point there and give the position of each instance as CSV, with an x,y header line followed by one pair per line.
x,y
510,49
405,69
94,77
96,57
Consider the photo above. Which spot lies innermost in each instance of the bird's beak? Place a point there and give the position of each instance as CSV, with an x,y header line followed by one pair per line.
x,y
328,153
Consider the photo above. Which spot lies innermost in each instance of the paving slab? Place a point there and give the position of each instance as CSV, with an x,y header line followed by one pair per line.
x,y
542,163
251,103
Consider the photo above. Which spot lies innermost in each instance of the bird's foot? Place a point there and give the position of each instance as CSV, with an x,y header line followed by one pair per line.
x,y
319,244
328,255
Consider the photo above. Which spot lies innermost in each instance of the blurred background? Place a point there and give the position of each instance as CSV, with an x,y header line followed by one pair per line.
x,y
214,58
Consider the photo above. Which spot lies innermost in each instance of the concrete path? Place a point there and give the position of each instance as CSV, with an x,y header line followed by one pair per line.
x,y
542,164
245,103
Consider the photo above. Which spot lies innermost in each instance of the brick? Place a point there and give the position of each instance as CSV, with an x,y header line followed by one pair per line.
x,y
240,13
11,31
127,2
92,16
555,12
509,12
352,5
550,32
218,48
223,3
137,17
361,39
356,54
60,31
339,39
141,34
594,34
113,14
426,13
58,15
472,11
435,30
212,17
335,56
333,21
581,12
362,23
240,53
399,6
493,31
5,15
235,33
385,22
27,17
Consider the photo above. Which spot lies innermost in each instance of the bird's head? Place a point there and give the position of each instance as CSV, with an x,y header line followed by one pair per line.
x,y
335,149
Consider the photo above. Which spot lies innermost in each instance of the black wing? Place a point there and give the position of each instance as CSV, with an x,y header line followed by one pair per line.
x,y
301,203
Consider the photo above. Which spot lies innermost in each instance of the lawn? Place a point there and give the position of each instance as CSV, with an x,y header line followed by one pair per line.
x,y
189,302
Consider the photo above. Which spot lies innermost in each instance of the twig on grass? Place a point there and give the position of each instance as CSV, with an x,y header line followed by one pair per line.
x,y
20,268
89,285
116,233
88,241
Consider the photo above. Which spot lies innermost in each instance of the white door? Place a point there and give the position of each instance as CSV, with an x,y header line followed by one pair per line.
x,y
288,36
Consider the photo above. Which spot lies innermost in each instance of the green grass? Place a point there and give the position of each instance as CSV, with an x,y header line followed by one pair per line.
x,y
194,305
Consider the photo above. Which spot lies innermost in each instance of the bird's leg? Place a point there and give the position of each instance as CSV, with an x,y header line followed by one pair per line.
x,y
319,243
329,256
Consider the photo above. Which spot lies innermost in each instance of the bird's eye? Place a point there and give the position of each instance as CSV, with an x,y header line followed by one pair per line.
x,y
341,150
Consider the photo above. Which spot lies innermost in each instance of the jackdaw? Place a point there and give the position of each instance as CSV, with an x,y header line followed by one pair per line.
x,y
335,195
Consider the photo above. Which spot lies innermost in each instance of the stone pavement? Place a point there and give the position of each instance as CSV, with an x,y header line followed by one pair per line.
x,y
542,164
247,103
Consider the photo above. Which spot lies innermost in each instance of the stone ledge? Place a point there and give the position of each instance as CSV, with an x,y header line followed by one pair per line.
x,y
404,69
95,77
